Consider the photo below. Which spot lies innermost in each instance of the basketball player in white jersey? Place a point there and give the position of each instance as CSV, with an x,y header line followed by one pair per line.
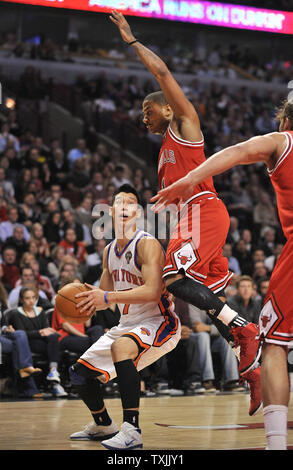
x,y
148,328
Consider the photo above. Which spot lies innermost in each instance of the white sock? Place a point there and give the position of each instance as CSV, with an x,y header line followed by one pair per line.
x,y
275,422
227,315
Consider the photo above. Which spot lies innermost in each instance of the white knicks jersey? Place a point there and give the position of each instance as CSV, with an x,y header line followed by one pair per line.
x,y
126,274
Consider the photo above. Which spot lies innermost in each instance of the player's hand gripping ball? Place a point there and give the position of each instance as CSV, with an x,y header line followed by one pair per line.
x,y
66,303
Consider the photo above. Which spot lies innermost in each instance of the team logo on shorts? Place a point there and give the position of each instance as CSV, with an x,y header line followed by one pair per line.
x,y
265,319
145,331
128,256
183,258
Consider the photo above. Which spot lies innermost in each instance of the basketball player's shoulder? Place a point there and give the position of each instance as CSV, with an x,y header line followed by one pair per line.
x,y
148,245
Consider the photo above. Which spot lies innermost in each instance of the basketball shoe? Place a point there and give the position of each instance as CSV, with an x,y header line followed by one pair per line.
x,y
253,379
128,438
250,347
93,432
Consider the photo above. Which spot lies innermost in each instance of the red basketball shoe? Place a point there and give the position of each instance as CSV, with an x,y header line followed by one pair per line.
x,y
250,347
253,379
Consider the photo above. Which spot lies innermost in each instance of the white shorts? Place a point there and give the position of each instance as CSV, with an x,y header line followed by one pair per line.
x,y
156,336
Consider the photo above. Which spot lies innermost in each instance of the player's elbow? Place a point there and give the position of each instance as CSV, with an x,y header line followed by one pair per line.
x,y
162,71
154,295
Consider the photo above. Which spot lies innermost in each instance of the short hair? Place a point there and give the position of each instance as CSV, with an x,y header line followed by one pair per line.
x,y
128,189
285,111
157,97
245,277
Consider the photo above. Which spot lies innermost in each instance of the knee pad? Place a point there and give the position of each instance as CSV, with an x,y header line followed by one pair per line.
x,y
75,378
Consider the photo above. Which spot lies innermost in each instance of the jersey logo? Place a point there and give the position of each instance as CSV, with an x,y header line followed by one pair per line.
x,y
167,156
145,331
265,319
128,256
183,258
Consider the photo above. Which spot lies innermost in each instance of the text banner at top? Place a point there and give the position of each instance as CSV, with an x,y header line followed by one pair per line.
x,y
191,11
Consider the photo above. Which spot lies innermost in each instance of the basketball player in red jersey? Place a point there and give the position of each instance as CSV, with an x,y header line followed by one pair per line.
x,y
276,318
195,272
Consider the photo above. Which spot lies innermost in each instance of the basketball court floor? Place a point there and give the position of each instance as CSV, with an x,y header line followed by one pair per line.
x,y
203,422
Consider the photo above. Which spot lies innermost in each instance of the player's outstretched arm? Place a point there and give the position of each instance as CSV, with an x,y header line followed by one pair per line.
x,y
257,149
180,105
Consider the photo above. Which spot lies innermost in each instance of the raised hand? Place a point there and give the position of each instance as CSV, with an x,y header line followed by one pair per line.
x,y
124,28
176,193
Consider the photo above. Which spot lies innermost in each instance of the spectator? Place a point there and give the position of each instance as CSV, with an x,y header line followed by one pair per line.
x,y
97,187
53,227
243,302
43,282
7,186
26,277
269,241
16,343
22,183
29,212
77,152
233,262
56,256
18,242
119,177
238,202
42,338
83,213
6,228
264,213
259,271
77,337
62,203
6,137
209,341
37,236
74,247
262,288
9,271
271,260
243,256
233,234
59,166
70,222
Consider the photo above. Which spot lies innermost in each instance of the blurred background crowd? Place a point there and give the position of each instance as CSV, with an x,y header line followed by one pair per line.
x,y
51,176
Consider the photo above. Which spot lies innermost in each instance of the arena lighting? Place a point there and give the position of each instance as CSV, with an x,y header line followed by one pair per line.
x,y
191,11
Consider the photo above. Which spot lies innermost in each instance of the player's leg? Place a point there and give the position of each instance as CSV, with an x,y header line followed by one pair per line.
x,y
204,298
92,369
88,386
276,394
124,351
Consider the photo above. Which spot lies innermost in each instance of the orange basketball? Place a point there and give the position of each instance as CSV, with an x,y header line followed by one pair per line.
x,y
65,302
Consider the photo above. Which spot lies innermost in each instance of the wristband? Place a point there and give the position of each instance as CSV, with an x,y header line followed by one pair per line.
x,y
132,42
106,297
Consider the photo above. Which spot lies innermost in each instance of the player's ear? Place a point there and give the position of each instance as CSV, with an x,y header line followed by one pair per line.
x,y
168,111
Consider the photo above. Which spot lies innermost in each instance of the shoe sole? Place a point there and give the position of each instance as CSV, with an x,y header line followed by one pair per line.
x,y
98,438
253,364
254,412
139,446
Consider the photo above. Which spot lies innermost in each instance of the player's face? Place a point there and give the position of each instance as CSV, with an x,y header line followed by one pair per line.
x,y
155,117
124,210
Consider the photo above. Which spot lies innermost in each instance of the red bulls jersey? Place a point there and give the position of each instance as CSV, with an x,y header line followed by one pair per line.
x,y
177,158
281,177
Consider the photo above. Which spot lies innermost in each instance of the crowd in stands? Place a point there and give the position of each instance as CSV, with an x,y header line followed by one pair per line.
x,y
233,60
47,194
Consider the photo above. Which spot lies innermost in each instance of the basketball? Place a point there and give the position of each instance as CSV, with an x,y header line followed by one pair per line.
x,y
66,302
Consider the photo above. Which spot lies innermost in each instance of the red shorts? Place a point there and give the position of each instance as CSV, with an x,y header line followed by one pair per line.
x,y
276,317
196,244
